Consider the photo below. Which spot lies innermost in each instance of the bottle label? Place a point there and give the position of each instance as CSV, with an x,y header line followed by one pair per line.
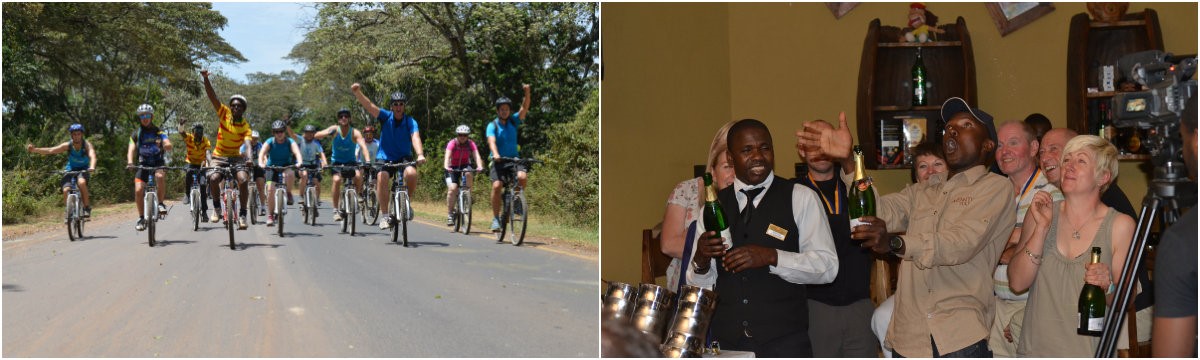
x,y
856,222
1095,324
919,91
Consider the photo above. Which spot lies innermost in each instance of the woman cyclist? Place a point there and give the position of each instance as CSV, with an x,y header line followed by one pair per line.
x,y
80,156
459,152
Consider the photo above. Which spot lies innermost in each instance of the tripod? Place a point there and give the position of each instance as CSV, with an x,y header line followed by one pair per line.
x,y
1163,198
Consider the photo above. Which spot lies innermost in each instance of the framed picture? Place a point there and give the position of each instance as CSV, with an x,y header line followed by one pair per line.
x,y
1011,16
840,9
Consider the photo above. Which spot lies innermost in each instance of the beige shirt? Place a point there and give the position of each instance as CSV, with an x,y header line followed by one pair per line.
x,y
956,230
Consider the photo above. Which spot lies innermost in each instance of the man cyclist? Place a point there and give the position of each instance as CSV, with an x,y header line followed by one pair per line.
x,y
279,150
232,132
311,150
398,137
502,141
147,145
80,156
345,140
459,152
250,150
197,157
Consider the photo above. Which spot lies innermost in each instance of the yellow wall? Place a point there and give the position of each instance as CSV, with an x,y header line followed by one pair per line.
x,y
673,73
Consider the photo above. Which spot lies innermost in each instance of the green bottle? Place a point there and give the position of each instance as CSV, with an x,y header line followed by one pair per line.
x,y
920,88
1091,305
714,216
862,194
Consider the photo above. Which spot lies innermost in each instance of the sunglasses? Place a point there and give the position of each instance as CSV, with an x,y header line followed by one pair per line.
x,y
343,116
145,116
397,103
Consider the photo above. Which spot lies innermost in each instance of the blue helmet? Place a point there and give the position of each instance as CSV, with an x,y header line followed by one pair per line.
x,y
75,127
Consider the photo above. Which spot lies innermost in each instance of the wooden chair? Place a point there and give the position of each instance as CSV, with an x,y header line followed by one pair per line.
x,y
654,262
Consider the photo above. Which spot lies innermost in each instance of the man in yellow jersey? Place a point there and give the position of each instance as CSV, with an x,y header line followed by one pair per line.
x,y
197,156
232,131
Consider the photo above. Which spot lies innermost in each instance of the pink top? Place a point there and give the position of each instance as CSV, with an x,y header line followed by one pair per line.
x,y
460,155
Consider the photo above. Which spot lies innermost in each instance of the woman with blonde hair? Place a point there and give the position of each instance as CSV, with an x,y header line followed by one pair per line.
x,y
1053,258
685,206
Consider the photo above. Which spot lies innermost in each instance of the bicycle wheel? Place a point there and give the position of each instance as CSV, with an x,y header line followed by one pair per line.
x,y
370,207
254,205
466,212
342,209
151,207
352,203
196,206
402,209
519,219
150,229
393,218
505,210
312,207
279,202
456,213
230,216
79,227
70,217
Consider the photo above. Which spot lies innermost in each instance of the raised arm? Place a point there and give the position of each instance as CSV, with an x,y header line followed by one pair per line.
x,y
1022,268
326,132
366,103
51,150
212,95
524,103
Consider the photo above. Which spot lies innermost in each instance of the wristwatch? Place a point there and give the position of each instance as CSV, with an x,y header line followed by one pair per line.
x,y
895,244
696,268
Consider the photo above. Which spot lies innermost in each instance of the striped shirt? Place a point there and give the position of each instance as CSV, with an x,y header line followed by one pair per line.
x,y
196,152
230,135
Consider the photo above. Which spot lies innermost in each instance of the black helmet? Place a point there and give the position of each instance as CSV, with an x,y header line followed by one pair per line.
x,y
197,128
503,101
278,125
343,111
399,96
310,128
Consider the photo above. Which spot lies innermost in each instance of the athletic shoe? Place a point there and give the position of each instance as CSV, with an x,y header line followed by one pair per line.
x,y
242,223
141,225
215,217
337,216
385,222
449,220
495,224
271,220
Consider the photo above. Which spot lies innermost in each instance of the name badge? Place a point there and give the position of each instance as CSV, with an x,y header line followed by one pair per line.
x,y
776,232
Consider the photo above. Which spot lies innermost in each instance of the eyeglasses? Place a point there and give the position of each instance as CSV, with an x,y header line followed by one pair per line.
x,y
145,116
343,116
397,103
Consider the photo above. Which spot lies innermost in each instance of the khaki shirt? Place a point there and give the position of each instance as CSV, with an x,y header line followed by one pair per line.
x,y
956,230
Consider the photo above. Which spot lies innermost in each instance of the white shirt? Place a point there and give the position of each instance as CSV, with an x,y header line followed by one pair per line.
x,y
817,261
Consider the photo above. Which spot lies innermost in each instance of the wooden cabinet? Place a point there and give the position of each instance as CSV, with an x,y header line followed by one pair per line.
x,y
1092,45
884,81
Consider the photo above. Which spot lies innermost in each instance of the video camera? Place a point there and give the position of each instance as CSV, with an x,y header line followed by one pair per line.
x,y
1169,84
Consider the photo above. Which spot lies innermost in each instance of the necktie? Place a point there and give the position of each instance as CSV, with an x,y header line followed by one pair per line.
x,y
748,210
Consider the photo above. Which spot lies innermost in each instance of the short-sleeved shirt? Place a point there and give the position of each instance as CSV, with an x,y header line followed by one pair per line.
x,y
280,154
309,150
372,148
395,136
1175,270
149,143
196,152
461,154
230,135
250,150
505,134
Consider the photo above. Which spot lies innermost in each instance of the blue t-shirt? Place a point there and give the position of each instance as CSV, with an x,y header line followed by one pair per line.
x,y
395,136
506,135
78,159
280,154
343,147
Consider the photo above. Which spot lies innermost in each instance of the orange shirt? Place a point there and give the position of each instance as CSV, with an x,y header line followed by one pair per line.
x,y
230,135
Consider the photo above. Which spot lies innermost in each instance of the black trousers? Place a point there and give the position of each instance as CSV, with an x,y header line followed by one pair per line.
x,y
794,345
976,350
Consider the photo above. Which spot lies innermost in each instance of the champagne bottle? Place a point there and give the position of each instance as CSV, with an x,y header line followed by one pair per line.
x,y
1103,122
919,87
714,216
1091,305
862,194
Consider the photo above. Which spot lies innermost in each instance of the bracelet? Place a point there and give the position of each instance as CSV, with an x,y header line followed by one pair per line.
x,y
1110,288
1036,259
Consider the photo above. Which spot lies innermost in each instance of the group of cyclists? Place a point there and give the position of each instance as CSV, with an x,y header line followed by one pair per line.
x,y
393,138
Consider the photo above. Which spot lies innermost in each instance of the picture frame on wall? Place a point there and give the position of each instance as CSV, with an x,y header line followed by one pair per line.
x,y
1012,16
840,9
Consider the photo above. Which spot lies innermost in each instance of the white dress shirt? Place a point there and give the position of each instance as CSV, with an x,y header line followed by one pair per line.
x,y
817,261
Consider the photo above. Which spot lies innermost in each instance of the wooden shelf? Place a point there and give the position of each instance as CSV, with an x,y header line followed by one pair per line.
x,y
908,108
926,44
1133,157
1098,24
1101,95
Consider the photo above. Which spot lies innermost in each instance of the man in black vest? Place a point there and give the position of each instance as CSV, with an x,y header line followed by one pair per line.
x,y
780,241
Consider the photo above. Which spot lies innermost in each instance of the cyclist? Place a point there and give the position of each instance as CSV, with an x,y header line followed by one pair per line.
x,y
368,133
232,131
197,157
458,157
250,150
345,140
502,141
148,144
279,150
311,150
398,137
80,156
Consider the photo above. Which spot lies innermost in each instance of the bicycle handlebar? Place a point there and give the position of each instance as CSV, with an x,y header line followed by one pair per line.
x,y
153,168
464,170
525,161
396,165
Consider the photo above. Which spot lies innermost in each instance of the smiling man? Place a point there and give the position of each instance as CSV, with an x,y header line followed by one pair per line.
x,y
781,240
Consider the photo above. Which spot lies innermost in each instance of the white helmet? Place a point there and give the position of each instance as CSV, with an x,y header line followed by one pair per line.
x,y
254,134
145,109
462,130
237,97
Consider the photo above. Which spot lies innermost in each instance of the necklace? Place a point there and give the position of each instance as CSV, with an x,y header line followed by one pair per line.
x,y
1075,235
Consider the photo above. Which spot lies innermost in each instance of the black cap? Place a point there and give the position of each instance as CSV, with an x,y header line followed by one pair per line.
x,y
956,105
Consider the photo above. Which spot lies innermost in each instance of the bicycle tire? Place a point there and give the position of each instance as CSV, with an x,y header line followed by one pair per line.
x,y
150,230
70,217
456,212
230,215
352,203
279,202
196,206
370,207
518,221
466,213
342,209
401,208
151,207
253,200
79,227
505,209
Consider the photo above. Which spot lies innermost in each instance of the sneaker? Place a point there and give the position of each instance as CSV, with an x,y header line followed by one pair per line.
x,y
449,220
187,200
495,224
87,212
289,198
242,223
271,220
262,211
215,217
337,216
385,222
162,208
141,225
203,215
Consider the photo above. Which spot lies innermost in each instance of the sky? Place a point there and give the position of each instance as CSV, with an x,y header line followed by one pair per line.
x,y
264,32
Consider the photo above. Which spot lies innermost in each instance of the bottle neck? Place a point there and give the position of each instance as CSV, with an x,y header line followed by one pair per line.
x,y
858,167
710,193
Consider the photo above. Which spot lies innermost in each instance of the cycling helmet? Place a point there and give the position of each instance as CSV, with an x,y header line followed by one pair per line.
x,y
254,134
310,128
237,97
145,109
369,128
399,96
278,125
199,129
75,127
462,130
343,111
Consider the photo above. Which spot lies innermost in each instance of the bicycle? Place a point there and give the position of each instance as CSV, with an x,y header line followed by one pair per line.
x,y
279,206
399,194
229,197
150,210
255,203
368,202
194,201
349,206
74,209
308,210
462,205
514,212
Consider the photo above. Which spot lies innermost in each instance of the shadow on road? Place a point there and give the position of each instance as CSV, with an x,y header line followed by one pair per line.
x,y
245,246
173,242
287,234
91,237
415,244
14,288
